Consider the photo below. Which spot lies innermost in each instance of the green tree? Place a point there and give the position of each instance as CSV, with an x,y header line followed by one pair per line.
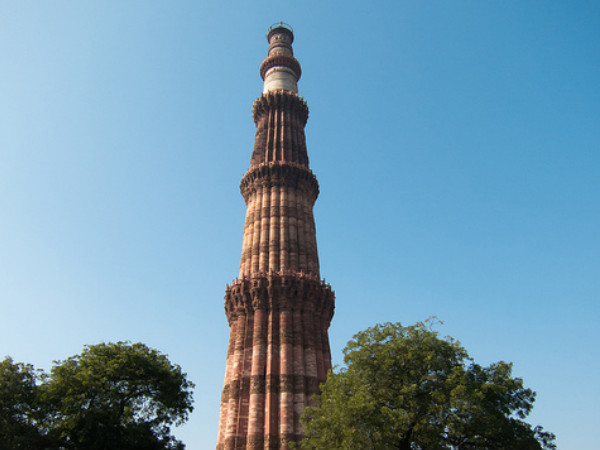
x,y
111,396
406,388
22,417
124,396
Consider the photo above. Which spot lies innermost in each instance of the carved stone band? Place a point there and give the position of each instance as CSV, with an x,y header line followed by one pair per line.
x,y
280,99
274,292
275,174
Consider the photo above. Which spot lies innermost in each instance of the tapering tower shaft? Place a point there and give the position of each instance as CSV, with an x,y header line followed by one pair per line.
x,y
278,309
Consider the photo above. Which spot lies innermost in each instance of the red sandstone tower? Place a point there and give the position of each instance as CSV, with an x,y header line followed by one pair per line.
x,y
278,309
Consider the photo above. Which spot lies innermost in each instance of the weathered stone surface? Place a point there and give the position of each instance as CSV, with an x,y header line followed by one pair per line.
x,y
279,309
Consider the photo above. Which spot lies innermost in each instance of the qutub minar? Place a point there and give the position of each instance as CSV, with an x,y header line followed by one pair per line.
x,y
278,309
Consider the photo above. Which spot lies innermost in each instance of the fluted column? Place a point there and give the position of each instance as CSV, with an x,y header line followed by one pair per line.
x,y
300,373
258,379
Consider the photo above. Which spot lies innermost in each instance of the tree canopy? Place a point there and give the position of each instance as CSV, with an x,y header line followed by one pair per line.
x,y
112,395
406,388
21,415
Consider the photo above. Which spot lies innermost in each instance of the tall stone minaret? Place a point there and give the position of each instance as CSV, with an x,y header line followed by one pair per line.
x,y
278,309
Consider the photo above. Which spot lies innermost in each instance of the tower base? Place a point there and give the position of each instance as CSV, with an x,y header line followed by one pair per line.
x,y
278,355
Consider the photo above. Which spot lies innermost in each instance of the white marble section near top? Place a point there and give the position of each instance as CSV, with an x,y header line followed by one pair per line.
x,y
280,77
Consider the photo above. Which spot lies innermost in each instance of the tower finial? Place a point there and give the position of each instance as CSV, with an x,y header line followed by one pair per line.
x,y
281,27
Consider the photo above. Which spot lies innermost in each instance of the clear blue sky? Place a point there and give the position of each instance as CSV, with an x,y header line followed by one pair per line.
x,y
456,144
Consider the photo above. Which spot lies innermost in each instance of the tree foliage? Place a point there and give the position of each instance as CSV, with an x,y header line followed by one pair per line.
x,y
115,395
21,415
406,388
